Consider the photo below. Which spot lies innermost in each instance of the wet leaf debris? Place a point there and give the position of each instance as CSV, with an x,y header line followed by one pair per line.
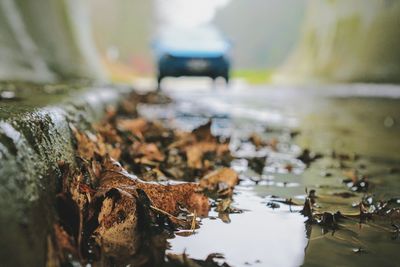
x,y
133,178
138,182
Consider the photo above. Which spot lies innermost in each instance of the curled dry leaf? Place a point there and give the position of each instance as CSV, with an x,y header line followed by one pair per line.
x,y
112,211
224,205
117,232
195,153
136,126
226,176
145,152
118,192
198,144
85,147
203,133
128,106
168,198
108,132
89,145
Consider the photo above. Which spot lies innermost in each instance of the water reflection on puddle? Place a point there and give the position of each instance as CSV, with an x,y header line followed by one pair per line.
x,y
328,121
260,236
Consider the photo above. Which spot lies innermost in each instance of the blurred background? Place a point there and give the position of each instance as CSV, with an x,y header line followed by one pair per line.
x,y
263,33
285,41
280,41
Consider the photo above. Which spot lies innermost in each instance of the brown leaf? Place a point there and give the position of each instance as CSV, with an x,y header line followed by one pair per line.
x,y
203,133
154,175
128,106
117,232
107,202
224,205
225,175
168,198
88,144
148,151
195,153
85,147
182,140
136,126
108,132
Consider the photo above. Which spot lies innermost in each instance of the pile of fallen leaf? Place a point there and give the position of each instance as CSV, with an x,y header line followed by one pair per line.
x,y
134,177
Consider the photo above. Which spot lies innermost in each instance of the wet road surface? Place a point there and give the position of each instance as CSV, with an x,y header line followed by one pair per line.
x,y
354,127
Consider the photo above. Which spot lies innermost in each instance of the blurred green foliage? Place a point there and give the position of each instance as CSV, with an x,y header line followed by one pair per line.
x,y
253,76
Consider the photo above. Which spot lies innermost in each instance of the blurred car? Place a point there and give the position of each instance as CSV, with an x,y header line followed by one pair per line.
x,y
200,51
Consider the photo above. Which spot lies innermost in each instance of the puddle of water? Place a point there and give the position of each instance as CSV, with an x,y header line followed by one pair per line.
x,y
332,121
260,236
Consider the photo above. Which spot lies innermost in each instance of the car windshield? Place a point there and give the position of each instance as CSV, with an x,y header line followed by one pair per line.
x,y
206,39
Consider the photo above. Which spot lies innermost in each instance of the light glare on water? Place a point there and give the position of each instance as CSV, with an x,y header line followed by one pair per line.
x,y
259,236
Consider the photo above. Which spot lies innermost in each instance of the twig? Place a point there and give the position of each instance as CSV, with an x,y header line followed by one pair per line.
x,y
164,212
193,226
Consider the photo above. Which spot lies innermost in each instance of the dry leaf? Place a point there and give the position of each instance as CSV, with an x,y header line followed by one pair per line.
x,y
225,175
168,198
136,126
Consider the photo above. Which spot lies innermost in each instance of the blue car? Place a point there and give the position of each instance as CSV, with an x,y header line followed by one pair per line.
x,y
192,52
